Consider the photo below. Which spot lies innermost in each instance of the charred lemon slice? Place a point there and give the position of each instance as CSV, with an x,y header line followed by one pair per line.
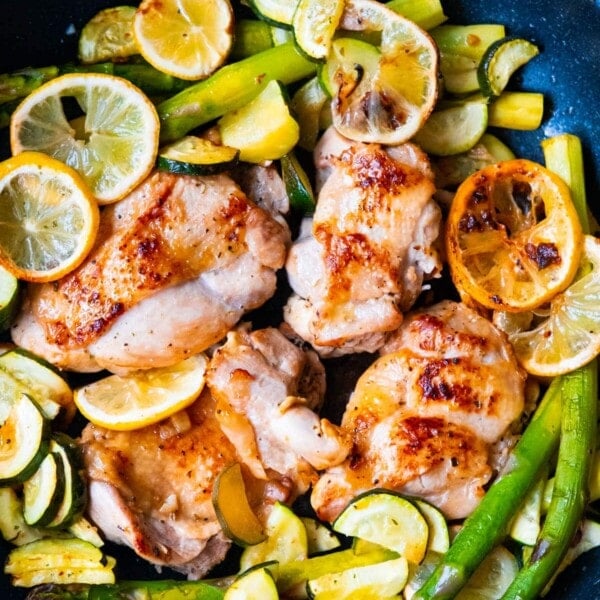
x,y
513,237
388,101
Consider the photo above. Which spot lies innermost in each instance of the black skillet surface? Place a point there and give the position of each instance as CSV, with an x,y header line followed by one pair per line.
x,y
34,33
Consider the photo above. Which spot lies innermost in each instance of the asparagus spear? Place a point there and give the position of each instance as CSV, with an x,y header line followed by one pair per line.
x,y
20,83
579,393
563,154
488,524
17,85
230,88
59,592
164,589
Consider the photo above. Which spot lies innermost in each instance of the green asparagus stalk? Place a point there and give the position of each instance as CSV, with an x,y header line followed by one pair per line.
x,y
17,85
59,592
165,589
563,155
488,524
20,83
230,88
251,36
569,498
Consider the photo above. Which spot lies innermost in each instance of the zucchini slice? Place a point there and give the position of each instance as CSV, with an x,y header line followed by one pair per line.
x,y
44,491
12,524
526,524
454,129
24,440
9,298
259,139
388,519
501,60
319,537
315,23
45,385
256,582
192,155
467,40
496,147
297,184
59,561
292,575
74,493
381,580
439,536
276,12
306,105
459,73
286,540
233,510
349,61
425,13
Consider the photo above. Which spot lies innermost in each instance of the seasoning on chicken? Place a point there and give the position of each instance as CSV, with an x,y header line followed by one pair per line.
x,y
360,262
175,266
426,415
151,488
267,392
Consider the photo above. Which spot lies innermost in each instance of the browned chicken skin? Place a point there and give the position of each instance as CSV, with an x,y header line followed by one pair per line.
x,y
175,266
361,261
267,392
151,489
423,418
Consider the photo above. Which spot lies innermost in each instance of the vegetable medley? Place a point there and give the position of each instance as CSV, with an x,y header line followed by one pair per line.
x,y
200,88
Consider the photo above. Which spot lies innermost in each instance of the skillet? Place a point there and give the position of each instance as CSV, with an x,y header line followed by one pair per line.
x,y
567,72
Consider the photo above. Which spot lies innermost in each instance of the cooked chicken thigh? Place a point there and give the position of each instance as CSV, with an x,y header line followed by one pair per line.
x,y
361,261
267,390
151,489
425,415
175,266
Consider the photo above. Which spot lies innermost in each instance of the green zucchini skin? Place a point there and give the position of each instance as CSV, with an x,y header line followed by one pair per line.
x,y
43,491
501,59
25,436
196,156
75,491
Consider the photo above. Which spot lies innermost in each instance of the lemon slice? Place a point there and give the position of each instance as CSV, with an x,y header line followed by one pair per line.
x,y
184,38
513,237
48,218
314,24
389,103
113,146
567,335
144,397
108,35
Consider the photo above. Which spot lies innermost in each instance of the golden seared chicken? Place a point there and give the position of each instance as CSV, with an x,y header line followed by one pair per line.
x,y
425,416
151,488
175,266
360,262
267,391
